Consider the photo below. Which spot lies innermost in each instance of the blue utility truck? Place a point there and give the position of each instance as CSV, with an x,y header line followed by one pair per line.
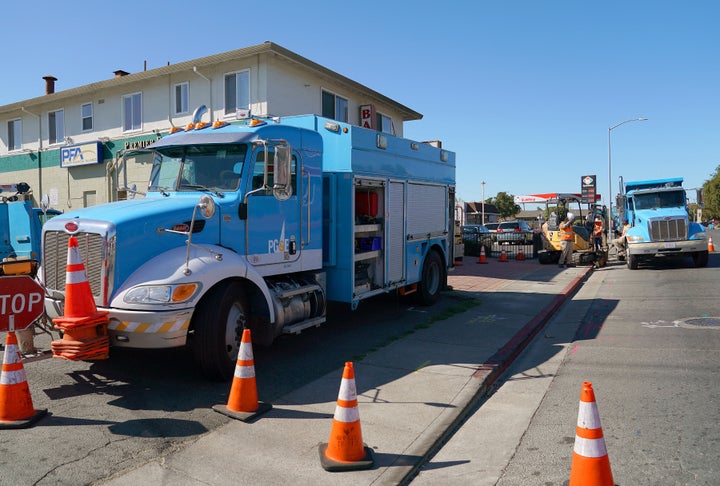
x,y
259,223
660,224
20,229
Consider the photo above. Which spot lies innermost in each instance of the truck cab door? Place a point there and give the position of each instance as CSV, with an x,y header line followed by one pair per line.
x,y
273,220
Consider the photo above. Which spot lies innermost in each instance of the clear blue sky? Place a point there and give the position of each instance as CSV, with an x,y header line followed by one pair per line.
x,y
523,91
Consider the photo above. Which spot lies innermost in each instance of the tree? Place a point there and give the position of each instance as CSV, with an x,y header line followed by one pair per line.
x,y
711,196
505,204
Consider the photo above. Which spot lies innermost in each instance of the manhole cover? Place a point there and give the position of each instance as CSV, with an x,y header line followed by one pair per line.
x,y
700,322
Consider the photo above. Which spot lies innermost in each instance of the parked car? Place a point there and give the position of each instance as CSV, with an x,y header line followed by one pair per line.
x,y
514,232
474,236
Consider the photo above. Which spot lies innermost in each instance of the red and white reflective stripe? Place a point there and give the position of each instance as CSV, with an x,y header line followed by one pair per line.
x,y
75,269
588,416
12,377
243,370
590,447
347,391
346,415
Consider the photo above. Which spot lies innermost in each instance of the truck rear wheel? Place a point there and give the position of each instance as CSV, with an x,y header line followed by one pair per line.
x,y
433,280
218,324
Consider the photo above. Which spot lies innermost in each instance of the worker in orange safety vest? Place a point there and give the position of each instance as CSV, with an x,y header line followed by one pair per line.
x,y
567,240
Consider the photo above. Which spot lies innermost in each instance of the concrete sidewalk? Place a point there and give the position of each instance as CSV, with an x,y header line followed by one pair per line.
x,y
411,393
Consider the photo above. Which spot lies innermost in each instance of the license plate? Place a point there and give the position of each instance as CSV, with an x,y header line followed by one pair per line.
x,y
669,245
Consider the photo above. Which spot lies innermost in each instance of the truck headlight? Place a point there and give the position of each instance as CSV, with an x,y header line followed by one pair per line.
x,y
161,294
635,239
699,236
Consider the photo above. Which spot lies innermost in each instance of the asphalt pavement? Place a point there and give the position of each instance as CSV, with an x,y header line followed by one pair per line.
x,y
412,393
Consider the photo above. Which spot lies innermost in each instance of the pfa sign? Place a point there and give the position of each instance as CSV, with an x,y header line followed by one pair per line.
x,y
21,302
81,154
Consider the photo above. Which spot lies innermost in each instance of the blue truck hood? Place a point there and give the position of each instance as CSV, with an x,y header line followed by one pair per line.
x,y
137,222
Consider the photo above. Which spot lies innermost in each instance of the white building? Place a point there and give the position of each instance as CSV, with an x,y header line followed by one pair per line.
x,y
70,145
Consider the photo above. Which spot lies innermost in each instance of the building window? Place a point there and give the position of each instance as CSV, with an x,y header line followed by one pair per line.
x,y
181,98
384,124
86,112
132,112
56,126
334,107
14,134
237,92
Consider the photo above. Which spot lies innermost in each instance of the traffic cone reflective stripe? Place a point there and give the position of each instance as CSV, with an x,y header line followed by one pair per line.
x,y
345,450
16,406
590,463
243,402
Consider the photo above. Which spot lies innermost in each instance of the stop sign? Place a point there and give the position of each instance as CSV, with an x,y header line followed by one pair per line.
x,y
21,301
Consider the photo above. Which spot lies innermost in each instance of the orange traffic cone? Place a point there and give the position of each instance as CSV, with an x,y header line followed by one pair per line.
x,y
16,406
85,335
503,256
345,450
590,462
482,258
521,254
243,401
711,247
458,261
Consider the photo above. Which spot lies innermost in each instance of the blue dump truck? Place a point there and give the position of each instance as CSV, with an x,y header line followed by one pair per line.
x,y
660,226
20,230
259,223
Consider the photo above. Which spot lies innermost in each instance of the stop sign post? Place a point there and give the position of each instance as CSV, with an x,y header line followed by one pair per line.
x,y
21,302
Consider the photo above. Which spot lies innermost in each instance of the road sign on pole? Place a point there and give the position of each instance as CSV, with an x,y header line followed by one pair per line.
x,y
21,302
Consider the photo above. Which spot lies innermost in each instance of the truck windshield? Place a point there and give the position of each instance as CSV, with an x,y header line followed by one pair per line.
x,y
193,167
671,199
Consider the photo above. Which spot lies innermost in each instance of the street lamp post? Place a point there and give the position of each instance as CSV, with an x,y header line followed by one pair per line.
x,y
482,203
610,129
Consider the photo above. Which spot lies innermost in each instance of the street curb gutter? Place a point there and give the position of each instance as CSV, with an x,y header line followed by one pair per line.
x,y
483,380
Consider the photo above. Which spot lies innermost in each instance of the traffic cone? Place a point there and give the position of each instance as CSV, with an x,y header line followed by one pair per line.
x,y
503,256
711,247
458,261
590,462
79,302
16,406
482,258
345,450
243,401
521,254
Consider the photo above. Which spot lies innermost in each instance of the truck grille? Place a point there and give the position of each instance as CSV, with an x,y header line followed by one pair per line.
x,y
668,229
54,261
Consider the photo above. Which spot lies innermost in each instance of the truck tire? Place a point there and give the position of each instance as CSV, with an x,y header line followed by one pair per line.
x,y
433,280
218,324
632,262
700,259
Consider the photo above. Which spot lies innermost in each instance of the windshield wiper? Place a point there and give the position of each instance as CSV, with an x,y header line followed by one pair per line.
x,y
204,188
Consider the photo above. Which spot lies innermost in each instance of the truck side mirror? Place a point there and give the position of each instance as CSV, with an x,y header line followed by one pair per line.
x,y
282,181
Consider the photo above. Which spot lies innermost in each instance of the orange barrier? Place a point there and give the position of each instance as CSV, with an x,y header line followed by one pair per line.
x,y
16,406
345,450
590,462
711,247
243,401
482,258
503,256
85,335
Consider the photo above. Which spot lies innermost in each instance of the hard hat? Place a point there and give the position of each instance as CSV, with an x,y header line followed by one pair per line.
x,y
570,216
597,219
625,220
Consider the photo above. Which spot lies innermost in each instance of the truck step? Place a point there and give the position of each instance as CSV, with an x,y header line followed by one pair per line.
x,y
300,326
305,289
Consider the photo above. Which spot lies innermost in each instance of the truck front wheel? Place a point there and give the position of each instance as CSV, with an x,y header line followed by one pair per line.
x,y
632,261
433,280
218,324
700,258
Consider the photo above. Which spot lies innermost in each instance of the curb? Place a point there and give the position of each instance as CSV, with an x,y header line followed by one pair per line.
x,y
483,379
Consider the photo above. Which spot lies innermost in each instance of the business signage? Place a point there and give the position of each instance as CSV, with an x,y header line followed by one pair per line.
x,y
81,154
367,116
589,184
